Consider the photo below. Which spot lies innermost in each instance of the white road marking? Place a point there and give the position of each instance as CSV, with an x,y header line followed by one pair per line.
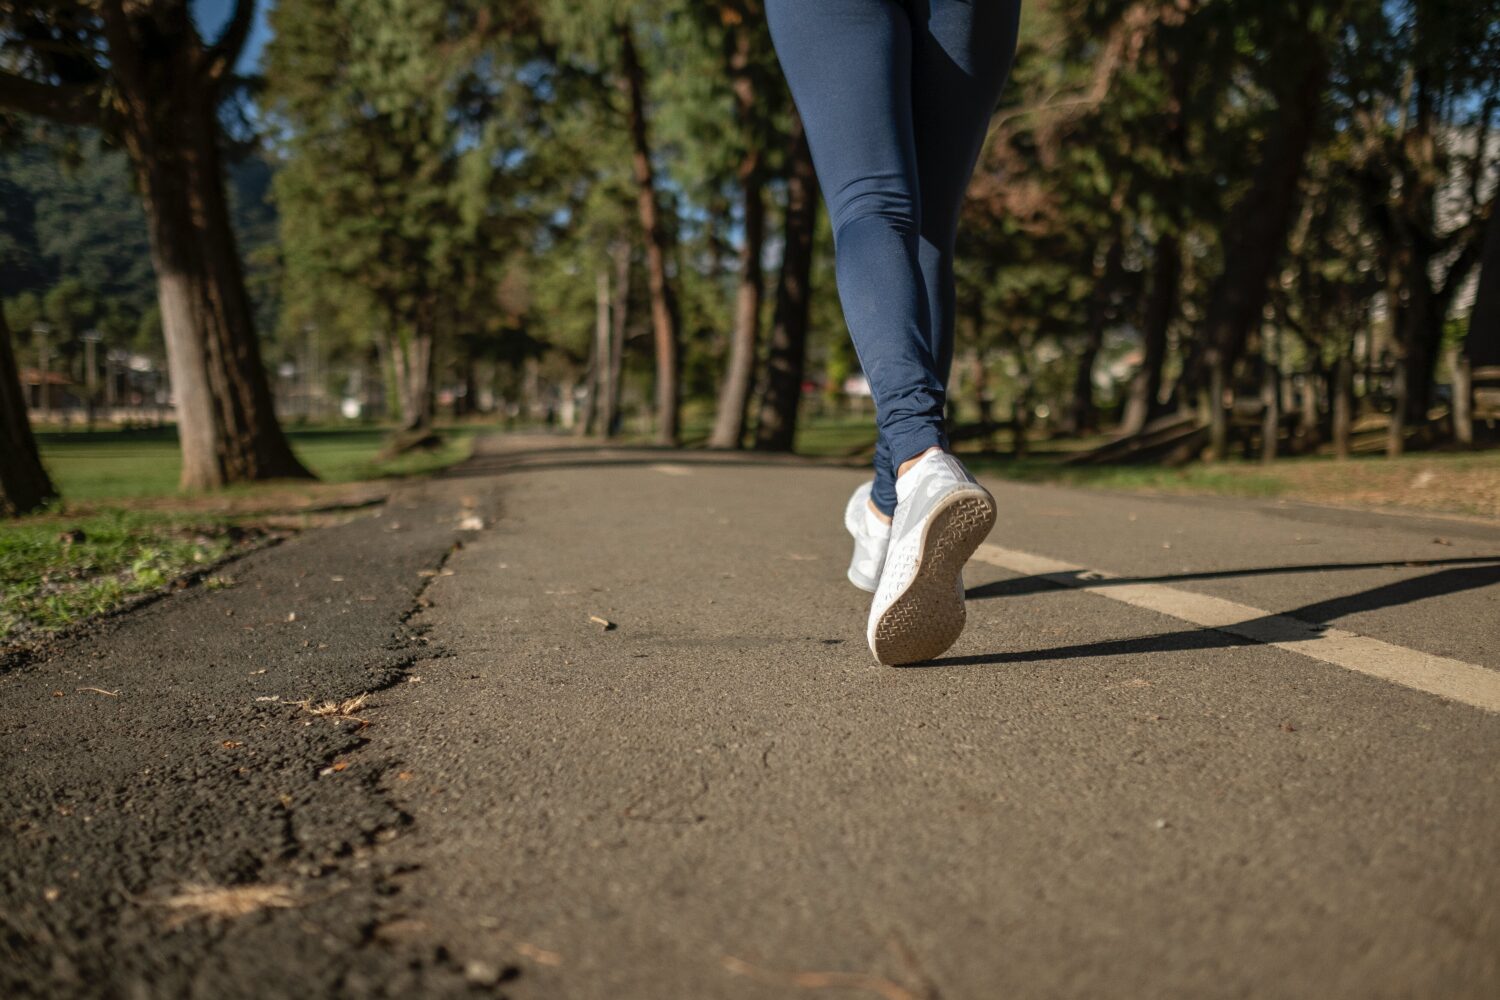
x,y
671,470
1447,678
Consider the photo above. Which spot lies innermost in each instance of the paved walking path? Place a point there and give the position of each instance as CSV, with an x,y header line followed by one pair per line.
x,y
1143,771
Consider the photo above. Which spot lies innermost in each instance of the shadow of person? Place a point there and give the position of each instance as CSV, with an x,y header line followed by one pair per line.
x,y
1297,625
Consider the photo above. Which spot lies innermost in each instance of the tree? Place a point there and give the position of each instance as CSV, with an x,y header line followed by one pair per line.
x,y
748,54
142,75
1441,63
395,193
603,39
1482,344
664,317
24,483
1261,219
776,429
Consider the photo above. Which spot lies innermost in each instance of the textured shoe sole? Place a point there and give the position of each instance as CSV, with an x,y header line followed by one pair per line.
x,y
928,616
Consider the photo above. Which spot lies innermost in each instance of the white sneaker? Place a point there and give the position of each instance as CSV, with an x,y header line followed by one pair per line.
x,y
942,515
871,536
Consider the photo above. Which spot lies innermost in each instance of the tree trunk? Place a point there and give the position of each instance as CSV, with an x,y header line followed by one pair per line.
x,y
24,483
663,303
1482,343
597,381
776,429
619,314
1309,421
411,359
1083,415
1257,229
1161,307
1462,411
1343,406
169,125
1270,422
1395,437
734,394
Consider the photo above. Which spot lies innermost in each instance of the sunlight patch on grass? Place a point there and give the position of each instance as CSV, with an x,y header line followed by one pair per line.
x,y
113,464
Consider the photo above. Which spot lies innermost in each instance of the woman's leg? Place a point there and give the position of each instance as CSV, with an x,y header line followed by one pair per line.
x,y
849,65
961,56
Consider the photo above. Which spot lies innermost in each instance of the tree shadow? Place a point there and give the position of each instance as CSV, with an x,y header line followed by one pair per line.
x,y
595,456
1297,625
1025,585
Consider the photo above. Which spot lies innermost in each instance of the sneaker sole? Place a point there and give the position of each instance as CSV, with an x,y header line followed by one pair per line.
x,y
928,616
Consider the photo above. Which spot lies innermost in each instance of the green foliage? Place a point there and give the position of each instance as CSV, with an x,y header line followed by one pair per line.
x,y
405,155
126,465
73,245
80,222
55,571
463,169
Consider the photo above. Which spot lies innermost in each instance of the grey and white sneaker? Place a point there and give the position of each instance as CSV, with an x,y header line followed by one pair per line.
x,y
870,537
942,515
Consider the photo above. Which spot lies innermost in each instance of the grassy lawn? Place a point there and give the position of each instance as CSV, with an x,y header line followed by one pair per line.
x,y
124,528
122,465
1439,482
50,577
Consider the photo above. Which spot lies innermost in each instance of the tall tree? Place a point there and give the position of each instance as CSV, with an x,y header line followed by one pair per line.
x,y
1161,306
24,483
143,76
1262,218
605,40
776,429
664,316
749,47
1482,344
395,213
1430,196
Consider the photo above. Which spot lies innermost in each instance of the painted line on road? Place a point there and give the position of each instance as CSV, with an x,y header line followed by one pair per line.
x,y
1447,678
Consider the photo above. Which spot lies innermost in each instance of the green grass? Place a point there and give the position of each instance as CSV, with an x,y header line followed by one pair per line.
x,y
1225,479
54,572
1438,481
120,465
66,565
836,437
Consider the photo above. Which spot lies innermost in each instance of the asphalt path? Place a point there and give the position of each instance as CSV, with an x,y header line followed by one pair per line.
x,y
626,740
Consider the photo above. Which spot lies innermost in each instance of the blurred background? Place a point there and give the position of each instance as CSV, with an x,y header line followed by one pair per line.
x,y
1200,229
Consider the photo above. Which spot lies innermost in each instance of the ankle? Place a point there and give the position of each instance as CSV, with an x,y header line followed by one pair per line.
x,y
884,518
907,465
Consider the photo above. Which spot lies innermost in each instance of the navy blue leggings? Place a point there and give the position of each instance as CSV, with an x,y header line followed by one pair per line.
x,y
896,98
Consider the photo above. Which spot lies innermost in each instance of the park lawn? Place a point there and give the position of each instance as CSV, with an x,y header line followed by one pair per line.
x,y
1442,482
125,465
1464,483
123,528
54,572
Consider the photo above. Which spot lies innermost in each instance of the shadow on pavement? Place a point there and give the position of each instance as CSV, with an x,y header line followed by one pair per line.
x,y
552,459
1052,581
1462,575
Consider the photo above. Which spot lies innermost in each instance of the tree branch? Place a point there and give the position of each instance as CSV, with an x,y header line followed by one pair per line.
x,y
226,51
71,104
